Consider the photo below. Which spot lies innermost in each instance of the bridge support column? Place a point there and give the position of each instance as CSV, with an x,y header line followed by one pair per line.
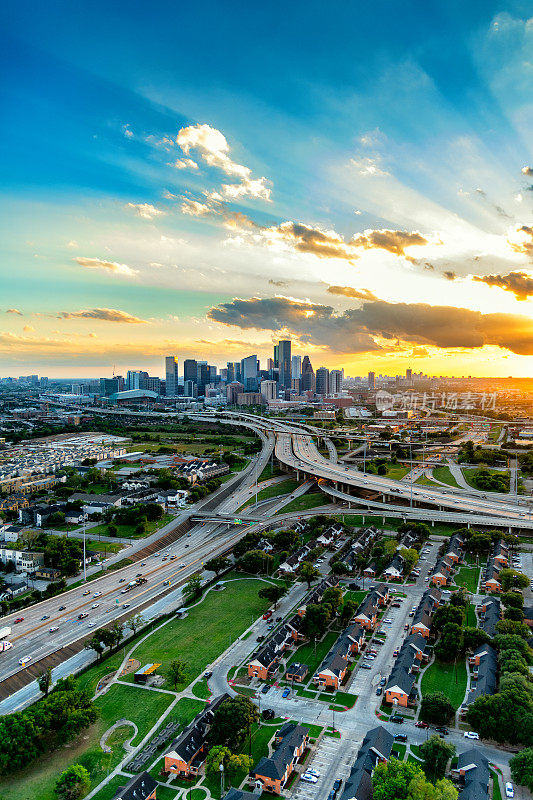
x,y
363,519
383,521
468,525
510,529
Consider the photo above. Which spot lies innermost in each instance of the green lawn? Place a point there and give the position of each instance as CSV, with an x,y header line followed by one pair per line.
x,y
444,475
306,501
185,710
108,791
141,706
127,531
201,689
305,654
396,471
471,619
207,631
496,791
447,678
468,577
357,596
470,473
425,481
284,487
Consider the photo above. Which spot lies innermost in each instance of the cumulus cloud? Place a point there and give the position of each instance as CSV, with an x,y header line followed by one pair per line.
x,y
145,210
126,130
194,208
521,240
519,283
14,311
214,150
306,239
107,266
349,291
366,328
105,314
369,167
185,163
279,284
395,242
450,275
527,170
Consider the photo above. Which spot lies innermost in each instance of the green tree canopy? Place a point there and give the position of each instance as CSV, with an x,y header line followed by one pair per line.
x,y
436,708
73,783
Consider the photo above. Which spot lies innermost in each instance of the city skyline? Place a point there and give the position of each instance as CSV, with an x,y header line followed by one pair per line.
x,y
359,182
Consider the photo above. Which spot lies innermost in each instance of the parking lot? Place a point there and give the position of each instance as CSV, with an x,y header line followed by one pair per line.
x,y
333,760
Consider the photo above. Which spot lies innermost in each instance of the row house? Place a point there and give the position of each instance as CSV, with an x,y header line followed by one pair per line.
x,y
490,580
13,502
333,668
367,614
375,749
401,686
189,750
316,594
140,787
395,569
272,772
265,662
483,665
371,569
500,553
455,548
423,617
472,772
293,562
442,571
489,612
296,672
330,535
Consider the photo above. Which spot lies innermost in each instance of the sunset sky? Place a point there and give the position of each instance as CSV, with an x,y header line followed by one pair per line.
x,y
201,179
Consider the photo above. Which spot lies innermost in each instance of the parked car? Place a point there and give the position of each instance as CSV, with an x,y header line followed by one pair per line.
x,y
379,691
260,639
443,730
509,791
312,772
309,778
286,693
208,673
267,614
366,666
268,713
400,737
397,718
421,724
383,681
471,735
337,785
265,689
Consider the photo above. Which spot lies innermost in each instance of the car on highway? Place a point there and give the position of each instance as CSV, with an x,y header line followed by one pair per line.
x,y
122,580
125,605
19,619
509,791
95,605
180,566
143,563
83,615
24,660
86,593
97,594
91,624
46,616
421,724
286,693
53,629
265,689
62,608
471,735
139,575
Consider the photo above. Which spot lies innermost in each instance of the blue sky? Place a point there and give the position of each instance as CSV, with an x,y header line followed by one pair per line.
x,y
357,176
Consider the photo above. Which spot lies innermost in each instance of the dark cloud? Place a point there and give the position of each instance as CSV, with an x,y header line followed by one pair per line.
x,y
305,239
393,241
348,291
519,283
450,275
359,330
105,314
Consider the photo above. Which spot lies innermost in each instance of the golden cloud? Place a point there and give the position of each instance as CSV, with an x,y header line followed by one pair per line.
x,y
104,314
107,266
348,291
519,283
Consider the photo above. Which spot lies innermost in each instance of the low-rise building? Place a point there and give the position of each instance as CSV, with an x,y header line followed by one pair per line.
x,y
473,773
272,772
189,750
140,787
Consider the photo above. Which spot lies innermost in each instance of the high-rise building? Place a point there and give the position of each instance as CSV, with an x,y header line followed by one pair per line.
x,y
190,389
109,386
171,376
190,370
335,381
276,356
233,390
270,364
136,379
296,367
308,376
409,375
249,370
269,390
322,381
284,360
152,384
371,380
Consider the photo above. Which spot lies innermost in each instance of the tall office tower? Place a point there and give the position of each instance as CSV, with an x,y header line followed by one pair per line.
x,y
308,376
230,376
190,370
296,367
409,374
249,370
335,381
108,386
224,374
371,380
202,377
284,357
153,384
190,389
232,391
296,385
270,364
269,390
322,381
276,356
171,376
43,382
212,374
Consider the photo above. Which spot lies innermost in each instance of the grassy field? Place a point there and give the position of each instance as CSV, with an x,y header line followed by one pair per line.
x,y
306,652
471,619
396,471
468,577
447,678
357,596
208,629
127,531
496,791
469,474
306,501
285,487
425,481
444,475
141,706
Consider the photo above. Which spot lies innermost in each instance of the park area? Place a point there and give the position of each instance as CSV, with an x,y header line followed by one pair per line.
x,y
450,679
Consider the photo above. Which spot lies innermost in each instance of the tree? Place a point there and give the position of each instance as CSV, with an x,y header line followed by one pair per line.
x,y
217,755
285,540
95,644
272,593
474,637
217,565
193,588
450,643
232,721
117,632
348,609
510,578
514,628
315,621
391,779
333,597
135,622
308,573
436,708
177,672
45,681
74,782
410,557
514,599
522,768
238,762
445,614
436,753
107,637
112,530
255,561
512,642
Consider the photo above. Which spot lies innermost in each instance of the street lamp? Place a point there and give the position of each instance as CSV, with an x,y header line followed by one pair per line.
x,y
221,769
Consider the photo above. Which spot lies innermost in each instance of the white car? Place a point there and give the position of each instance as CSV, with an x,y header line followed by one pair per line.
x,y
309,778
53,629
97,594
509,791
25,660
471,735
388,620
95,605
91,624
312,772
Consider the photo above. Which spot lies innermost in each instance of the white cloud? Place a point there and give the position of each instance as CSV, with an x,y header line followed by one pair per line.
x,y
368,166
145,210
195,209
128,133
107,266
184,163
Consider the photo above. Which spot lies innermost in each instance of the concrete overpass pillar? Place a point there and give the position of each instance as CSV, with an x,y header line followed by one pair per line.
x,y
363,519
383,521
432,523
468,525
510,529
